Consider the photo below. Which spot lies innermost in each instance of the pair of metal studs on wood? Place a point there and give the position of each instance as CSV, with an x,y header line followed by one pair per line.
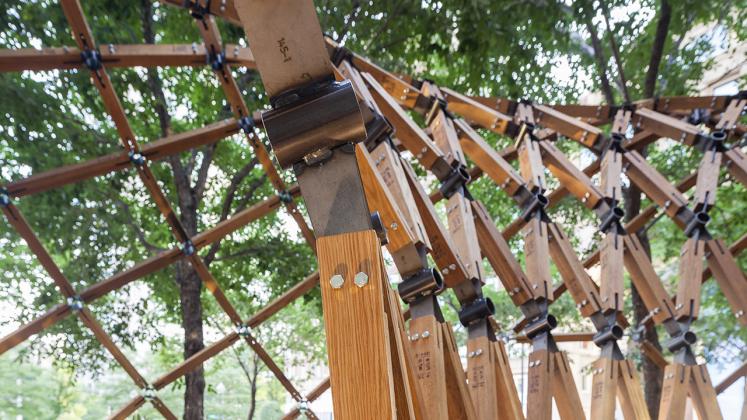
x,y
337,280
136,158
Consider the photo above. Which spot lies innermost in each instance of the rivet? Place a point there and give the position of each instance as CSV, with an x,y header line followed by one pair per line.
x,y
336,281
415,337
426,334
394,226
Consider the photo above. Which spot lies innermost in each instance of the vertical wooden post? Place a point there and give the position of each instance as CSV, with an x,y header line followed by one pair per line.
x,y
356,325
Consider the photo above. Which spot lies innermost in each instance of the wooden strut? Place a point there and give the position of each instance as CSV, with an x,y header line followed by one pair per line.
x,y
452,251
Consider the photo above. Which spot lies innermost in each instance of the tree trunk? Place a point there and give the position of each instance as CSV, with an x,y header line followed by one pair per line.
x,y
190,287
657,49
253,386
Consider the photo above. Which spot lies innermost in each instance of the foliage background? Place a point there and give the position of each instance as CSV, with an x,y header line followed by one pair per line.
x,y
536,49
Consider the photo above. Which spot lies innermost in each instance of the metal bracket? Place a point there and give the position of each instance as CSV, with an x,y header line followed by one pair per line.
x,y
697,225
136,158
426,282
243,330
310,120
457,178
476,310
613,220
216,60
533,205
149,393
285,196
188,248
75,303
197,10
246,124
91,59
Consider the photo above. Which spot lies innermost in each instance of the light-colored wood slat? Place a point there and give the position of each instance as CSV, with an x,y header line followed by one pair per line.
x,y
564,390
703,395
654,185
380,200
540,385
355,323
569,175
429,366
674,392
49,318
707,184
725,383
530,163
407,132
665,126
537,257
568,126
631,397
604,373
490,161
389,165
118,55
646,280
290,54
730,277
476,112
577,280
736,163
460,403
688,288
611,281
495,248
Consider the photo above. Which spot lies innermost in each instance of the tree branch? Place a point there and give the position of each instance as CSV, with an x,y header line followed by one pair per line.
x,y
657,50
352,17
599,58
207,158
615,52
153,249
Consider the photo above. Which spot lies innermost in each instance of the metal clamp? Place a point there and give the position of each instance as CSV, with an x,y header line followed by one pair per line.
x,y
216,60
697,224
425,282
149,393
4,197
91,59
537,202
285,196
243,330
542,324
75,303
613,219
306,122
246,124
478,309
136,158
197,10
457,178
188,248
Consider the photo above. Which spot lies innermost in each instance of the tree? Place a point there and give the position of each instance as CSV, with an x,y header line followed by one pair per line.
x,y
101,226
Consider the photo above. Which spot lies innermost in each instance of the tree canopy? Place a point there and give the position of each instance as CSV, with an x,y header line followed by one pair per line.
x,y
545,50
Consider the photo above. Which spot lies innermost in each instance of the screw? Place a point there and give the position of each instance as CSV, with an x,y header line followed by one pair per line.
x,y
361,279
426,334
414,337
336,281
394,226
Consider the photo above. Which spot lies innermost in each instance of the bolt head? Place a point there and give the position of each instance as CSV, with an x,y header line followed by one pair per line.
x,y
336,281
361,279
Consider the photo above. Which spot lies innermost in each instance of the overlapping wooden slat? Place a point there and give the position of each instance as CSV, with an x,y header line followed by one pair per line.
x,y
153,151
119,55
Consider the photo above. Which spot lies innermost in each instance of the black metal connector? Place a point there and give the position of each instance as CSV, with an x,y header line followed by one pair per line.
x,y
613,220
4,197
426,282
91,59
457,178
478,309
216,60
246,124
285,196
188,248
697,225
197,10
136,158
378,227
537,203
75,303
341,54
